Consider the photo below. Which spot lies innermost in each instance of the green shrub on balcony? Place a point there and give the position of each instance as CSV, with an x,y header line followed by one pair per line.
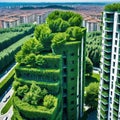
x,y
112,7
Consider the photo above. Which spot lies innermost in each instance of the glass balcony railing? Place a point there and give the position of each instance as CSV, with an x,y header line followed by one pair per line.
x,y
106,69
106,78
104,107
108,43
106,86
118,75
116,100
107,49
103,113
118,84
107,56
116,107
117,91
104,101
109,19
109,28
105,94
107,62
108,36
115,113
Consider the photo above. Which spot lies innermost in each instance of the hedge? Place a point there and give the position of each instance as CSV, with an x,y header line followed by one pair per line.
x,y
52,88
7,55
7,82
34,112
13,37
48,75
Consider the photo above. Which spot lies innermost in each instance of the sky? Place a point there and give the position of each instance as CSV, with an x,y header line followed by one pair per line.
x,y
59,0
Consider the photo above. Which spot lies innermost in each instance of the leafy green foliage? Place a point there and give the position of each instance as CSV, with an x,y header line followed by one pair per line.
x,y
91,96
43,34
22,90
15,85
32,95
89,66
49,101
58,25
76,20
93,47
112,7
7,55
59,39
75,33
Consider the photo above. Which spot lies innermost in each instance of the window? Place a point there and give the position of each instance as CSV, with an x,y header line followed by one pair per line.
x,y
116,35
114,64
72,109
113,70
72,54
64,79
73,88
73,62
72,102
114,56
72,94
115,42
72,79
115,49
72,70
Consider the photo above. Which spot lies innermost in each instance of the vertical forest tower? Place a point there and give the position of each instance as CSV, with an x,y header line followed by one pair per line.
x,y
56,62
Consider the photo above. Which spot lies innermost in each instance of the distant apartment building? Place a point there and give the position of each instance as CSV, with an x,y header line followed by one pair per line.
x,y
23,17
92,24
109,95
91,19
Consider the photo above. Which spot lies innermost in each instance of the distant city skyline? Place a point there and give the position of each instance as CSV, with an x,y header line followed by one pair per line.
x,y
59,0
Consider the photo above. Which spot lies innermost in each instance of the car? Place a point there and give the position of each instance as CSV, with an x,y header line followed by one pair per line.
x,y
5,118
6,98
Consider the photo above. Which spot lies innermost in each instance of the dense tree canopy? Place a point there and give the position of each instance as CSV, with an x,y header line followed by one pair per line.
x,y
89,66
93,47
112,7
91,96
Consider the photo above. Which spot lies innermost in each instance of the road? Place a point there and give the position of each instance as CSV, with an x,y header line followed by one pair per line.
x,y
6,72
3,103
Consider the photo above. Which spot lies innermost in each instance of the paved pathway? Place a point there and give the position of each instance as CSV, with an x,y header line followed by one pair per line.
x,y
8,70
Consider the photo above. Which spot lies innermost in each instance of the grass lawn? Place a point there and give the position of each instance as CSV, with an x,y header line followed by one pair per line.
x,y
90,79
7,106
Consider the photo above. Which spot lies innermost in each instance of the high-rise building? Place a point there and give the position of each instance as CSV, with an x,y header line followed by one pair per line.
x,y
109,95
62,73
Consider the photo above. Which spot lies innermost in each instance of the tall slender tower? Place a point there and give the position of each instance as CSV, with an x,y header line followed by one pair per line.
x,y
109,95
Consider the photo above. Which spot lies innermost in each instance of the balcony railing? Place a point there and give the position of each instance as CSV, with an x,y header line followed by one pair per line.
x,y
106,86
108,43
107,56
109,28
118,84
103,114
106,78
109,19
105,94
106,69
116,100
117,91
108,36
115,113
107,49
107,62
116,107
104,101
104,107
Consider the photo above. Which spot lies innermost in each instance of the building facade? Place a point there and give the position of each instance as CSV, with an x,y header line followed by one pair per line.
x,y
109,95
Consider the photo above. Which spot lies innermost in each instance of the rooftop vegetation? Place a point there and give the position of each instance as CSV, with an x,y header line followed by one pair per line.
x,y
61,27
112,7
40,98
